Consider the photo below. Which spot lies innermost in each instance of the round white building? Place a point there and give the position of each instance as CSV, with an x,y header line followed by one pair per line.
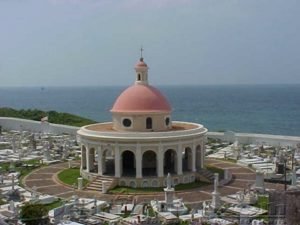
x,y
142,144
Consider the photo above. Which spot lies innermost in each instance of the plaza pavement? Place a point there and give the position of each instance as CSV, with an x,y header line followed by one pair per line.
x,y
45,181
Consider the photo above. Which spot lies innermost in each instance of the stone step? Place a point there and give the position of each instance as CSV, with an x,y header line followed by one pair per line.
x,y
94,189
96,185
207,174
104,179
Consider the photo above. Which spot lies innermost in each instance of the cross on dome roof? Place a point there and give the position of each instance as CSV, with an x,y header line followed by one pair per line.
x,y
142,52
141,62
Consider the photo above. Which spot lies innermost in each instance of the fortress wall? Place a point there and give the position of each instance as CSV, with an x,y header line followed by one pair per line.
x,y
9,123
250,138
244,138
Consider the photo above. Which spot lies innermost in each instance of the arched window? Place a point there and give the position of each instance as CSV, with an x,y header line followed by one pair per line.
x,y
167,121
149,123
139,76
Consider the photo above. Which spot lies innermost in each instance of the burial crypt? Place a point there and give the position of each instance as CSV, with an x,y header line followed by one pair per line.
x,y
142,144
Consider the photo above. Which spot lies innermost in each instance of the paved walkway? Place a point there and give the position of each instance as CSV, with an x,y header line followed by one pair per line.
x,y
45,181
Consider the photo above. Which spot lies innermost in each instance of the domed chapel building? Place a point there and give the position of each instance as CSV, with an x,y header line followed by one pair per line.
x,y
142,144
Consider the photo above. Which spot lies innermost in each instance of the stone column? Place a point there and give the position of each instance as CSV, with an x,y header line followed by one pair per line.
x,y
121,164
92,158
179,159
259,181
294,178
160,161
34,194
138,160
194,158
202,154
244,219
103,161
70,163
83,161
169,192
95,205
87,158
104,152
99,149
226,174
117,161
12,206
13,182
80,183
105,187
216,202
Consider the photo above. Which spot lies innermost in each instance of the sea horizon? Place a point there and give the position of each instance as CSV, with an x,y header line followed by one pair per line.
x,y
248,108
157,85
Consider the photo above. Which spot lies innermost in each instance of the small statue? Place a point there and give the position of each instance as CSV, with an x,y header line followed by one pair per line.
x,y
169,181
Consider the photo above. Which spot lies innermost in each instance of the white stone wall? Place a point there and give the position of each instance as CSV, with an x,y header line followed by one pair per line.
x,y
9,123
248,138
244,138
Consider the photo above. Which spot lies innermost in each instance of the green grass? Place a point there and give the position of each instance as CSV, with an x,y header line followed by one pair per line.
x,y
4,167
125,215
54,204
22,169
33,162
151,212
2,202
262,202
179,187
193,185
53,116
212,140
70,176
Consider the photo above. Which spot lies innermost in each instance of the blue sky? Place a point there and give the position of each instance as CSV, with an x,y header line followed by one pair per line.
x,y
97,42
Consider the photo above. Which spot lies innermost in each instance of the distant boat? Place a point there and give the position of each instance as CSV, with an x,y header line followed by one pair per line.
x,y
42,88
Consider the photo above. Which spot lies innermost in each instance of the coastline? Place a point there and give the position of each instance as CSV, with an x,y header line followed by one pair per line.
x,y
10,123
265,109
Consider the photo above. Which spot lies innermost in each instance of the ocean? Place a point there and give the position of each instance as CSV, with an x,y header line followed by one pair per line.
x,y
268,109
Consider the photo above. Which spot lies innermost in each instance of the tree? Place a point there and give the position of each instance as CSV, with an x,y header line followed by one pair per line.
x,y
34,214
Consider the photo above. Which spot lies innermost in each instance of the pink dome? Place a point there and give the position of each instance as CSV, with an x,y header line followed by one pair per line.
x,y
141,98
